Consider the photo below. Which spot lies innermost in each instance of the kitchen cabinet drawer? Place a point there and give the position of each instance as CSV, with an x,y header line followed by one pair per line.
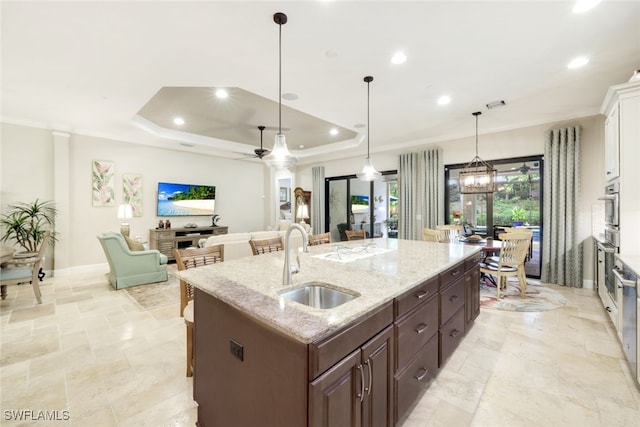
x,y
472,261
451,299
450,335
330,350
410,382
421,293
414,330
451,274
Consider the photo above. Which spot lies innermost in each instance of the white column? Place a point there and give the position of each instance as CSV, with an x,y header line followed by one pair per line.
x,y
61,167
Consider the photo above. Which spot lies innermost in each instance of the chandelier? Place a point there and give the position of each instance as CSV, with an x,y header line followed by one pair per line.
x,y
478,176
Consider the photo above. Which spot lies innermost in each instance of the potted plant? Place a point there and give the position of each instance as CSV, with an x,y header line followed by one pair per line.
x,y
26,223
518,215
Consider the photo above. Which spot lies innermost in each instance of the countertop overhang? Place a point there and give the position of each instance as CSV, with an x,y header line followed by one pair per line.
x,y
253,284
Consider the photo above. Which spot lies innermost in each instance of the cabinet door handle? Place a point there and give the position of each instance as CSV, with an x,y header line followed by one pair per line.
x,y
421,328
361,395
455,273
454,333
421,374
368,389
454,298
422,294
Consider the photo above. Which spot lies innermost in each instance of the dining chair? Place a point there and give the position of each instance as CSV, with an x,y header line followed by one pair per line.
x,y
356,234
319,239
509,262
523,230
24,270
431,235
449,232
264,246
186,259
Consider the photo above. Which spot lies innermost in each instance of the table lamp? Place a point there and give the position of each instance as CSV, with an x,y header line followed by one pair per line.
x,y
303,213
125,212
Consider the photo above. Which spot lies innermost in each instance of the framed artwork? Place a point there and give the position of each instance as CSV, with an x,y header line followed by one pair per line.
x,y
132,192
284,194
102,182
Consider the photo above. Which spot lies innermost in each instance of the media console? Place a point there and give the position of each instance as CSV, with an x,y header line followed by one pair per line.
x,y
168,239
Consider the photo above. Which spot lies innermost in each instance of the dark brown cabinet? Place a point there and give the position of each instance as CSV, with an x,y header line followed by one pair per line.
x,y
368,373
472,295
358,390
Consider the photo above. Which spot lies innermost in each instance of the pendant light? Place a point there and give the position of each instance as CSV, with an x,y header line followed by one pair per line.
x,y
478,176
280,157
369,173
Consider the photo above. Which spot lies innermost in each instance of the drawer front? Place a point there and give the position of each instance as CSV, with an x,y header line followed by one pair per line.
x,y
416,377
450,335
451,274
221,230
326,352
413,331
472,261
417,295
451,299
165,235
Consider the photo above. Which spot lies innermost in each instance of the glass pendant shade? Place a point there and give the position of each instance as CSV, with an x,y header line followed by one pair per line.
x,y
368,173
280,157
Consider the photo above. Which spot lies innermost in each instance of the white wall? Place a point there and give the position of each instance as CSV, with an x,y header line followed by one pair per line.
x,y
28,172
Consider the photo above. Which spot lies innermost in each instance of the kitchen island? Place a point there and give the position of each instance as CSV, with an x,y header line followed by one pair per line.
x,y
261,359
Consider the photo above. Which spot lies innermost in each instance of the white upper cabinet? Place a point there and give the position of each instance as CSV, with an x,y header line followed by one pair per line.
x,y
612,144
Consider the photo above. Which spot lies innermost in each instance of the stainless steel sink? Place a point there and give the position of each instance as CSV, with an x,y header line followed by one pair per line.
x,y
318,295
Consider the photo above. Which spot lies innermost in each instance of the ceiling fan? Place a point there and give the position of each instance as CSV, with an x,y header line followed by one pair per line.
x,y
259,152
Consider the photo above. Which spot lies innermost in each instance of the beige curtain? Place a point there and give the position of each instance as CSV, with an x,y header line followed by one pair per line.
x,y
420,192
317,195
562,253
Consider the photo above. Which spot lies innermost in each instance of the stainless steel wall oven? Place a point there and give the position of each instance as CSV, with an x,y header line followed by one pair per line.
x,y
611,204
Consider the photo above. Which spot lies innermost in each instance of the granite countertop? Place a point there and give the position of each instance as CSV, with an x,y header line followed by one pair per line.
x,y
381,270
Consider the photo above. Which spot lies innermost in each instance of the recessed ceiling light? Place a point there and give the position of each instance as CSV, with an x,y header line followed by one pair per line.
x,y
289,96
399,58
222,93
444,100
578,62
301,145
584,5
333,132
179,121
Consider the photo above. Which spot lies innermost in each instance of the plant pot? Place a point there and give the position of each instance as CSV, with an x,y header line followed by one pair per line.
x,y
517,223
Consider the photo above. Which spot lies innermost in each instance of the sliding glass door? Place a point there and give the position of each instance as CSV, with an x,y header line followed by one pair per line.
x,y
517,201
352,204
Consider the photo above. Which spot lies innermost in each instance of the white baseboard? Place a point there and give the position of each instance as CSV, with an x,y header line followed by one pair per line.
x,y
587,284
82,269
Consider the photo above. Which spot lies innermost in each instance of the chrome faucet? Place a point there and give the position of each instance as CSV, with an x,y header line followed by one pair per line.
x,y
288,269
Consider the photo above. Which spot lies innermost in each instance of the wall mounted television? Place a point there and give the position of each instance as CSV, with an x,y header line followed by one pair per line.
x,y
185,199
359,204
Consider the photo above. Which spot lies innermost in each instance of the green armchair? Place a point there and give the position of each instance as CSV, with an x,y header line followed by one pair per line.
x,y
131,268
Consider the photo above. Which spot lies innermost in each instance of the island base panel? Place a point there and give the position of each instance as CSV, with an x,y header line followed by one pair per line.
x,y
234,392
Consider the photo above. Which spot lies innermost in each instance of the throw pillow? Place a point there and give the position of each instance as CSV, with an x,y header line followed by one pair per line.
x,y
134,245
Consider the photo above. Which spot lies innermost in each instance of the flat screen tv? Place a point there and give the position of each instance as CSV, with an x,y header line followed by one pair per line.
x,y
359,204
185,199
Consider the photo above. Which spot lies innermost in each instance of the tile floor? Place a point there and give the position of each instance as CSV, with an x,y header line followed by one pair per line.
x,y
89,354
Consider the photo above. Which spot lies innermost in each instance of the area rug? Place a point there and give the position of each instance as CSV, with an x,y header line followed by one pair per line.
x,y
156,295
538,297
